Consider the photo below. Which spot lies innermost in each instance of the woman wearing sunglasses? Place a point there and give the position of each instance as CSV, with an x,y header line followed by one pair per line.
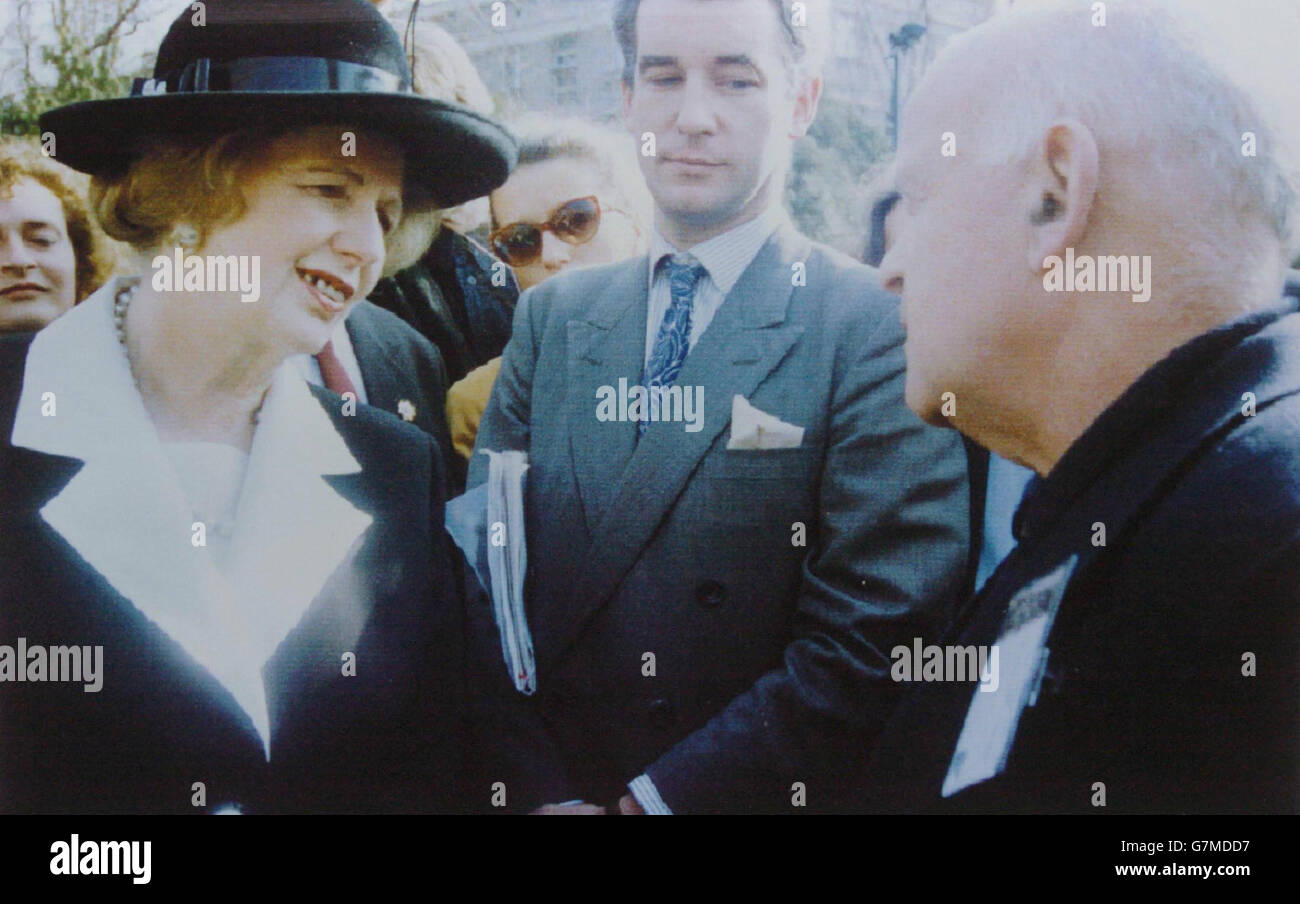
x,y
576,199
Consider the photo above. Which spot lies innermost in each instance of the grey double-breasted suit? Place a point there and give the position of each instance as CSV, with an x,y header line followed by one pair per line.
x,y
682,630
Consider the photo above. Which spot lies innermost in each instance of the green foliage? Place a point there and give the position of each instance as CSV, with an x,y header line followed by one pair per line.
x,y
828,190
72,56
80,78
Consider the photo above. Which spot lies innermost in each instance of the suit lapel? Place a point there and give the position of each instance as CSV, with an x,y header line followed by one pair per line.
x,y
123,511
309,657
377,370
606,346
746,341
293,529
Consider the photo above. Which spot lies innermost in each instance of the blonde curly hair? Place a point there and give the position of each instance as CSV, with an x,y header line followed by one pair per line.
x,y
20,160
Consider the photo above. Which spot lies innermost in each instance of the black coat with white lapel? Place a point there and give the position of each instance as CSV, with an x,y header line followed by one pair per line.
x,y
164,734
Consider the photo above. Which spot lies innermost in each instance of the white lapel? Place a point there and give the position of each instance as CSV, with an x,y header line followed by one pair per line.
x,y
292,529
126,515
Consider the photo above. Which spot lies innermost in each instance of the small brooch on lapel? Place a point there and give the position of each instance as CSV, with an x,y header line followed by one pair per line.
x,y
406,410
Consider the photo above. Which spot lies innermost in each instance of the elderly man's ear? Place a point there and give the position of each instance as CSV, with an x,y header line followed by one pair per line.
x,y
1063,178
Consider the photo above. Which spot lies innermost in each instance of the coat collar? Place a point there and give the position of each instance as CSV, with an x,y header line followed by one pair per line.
x,y
1152,421
1141,446
124,511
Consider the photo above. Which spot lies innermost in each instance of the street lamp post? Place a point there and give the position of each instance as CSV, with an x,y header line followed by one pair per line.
x,y
900,41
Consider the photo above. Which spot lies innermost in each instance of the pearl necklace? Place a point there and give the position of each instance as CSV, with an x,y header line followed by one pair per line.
x,y
122,301
223,527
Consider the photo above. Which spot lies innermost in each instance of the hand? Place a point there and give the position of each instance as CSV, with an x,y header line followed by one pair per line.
x,y
569,810
628,806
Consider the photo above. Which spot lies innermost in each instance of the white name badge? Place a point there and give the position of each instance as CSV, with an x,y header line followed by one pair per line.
x,y
990,726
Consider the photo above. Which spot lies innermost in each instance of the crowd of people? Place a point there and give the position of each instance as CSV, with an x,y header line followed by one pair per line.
x,y
236,492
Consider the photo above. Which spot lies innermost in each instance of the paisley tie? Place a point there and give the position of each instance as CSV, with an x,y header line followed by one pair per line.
x,y
674,338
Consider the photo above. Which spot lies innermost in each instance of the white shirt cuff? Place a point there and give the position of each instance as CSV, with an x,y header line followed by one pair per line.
x,y
647,795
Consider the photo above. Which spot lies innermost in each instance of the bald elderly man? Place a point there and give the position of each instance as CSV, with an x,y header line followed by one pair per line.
x,y
1137,651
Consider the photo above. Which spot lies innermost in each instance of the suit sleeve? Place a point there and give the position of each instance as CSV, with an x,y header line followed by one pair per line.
x,y
505,739
510,731
504,425
510,743
887,562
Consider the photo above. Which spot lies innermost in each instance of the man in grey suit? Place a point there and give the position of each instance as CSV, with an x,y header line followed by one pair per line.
x,y
717,574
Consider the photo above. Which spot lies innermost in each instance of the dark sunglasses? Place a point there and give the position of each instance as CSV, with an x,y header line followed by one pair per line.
x,y
575,222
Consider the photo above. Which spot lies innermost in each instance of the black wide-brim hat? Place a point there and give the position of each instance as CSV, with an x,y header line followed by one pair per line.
x,y
283,64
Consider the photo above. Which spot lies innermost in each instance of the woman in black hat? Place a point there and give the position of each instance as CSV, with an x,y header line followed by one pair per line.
x,y
220,588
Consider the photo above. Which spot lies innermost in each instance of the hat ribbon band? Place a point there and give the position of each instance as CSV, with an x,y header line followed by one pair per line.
x,y
278,74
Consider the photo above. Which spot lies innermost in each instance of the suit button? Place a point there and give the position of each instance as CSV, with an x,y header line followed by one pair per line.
x,y
710,594
661,714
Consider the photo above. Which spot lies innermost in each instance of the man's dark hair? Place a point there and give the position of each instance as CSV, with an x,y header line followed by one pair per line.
x,y
796,38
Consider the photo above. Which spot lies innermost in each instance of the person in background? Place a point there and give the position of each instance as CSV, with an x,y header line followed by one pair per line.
x,y
51,254
575,199
456,293
382,361
443,70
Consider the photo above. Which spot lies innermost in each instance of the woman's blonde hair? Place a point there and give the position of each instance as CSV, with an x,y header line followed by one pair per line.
x,y
178,180
194,181
443,70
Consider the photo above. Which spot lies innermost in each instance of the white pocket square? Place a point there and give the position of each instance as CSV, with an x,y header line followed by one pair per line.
x,y
755,429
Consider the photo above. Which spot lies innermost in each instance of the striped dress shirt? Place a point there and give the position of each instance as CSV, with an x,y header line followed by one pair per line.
x,y
724,257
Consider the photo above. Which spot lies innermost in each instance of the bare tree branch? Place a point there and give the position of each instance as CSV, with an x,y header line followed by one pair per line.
x,y
125,10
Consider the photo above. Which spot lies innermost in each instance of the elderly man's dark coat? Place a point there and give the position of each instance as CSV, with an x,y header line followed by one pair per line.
x,y
1171,681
